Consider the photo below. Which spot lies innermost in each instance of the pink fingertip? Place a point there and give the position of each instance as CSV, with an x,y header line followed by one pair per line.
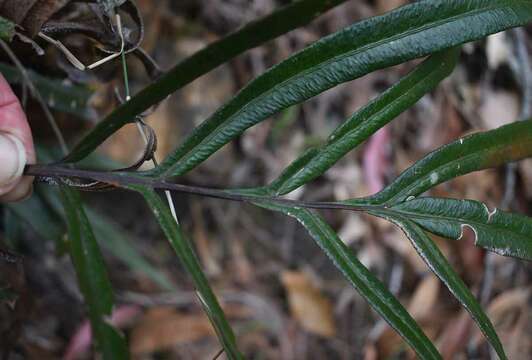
x,y
13,119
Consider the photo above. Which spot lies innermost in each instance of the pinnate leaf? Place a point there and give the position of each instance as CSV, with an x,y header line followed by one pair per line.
x,y
409,32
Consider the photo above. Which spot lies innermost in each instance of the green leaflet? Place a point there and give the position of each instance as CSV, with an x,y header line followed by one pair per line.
x,y
7,29
501,232
92,277
380,299
409,32
187,256
475,152
281,21
436,261
368,120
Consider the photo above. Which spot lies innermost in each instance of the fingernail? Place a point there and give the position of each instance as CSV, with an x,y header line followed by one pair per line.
x,y
12,158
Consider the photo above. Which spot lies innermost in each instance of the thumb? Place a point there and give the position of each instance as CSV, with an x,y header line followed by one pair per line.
x,y
16,146
12,158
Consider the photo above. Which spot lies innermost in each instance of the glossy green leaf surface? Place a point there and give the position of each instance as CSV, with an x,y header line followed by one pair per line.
x,y
380,299
436,261
475,152
92,277
368,120
187,256
281,21
498,231
409,32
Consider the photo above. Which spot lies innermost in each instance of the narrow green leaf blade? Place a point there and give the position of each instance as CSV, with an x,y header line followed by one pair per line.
x,y
362,279
290,17
436,261
187,256
369,119
92,277
495,230
409,32
475,152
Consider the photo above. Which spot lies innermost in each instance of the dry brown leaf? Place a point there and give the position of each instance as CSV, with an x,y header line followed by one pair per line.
x,y
499,108
455,336
397,241
205,248
425,297
166,128
30,14
498,50
346,181
125,146
312,310
372,255
471,256
526,172
510,316
370,352
421,307
163,328
240,263
506,303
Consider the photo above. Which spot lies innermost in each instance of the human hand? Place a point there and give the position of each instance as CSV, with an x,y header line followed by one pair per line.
x,y
16,147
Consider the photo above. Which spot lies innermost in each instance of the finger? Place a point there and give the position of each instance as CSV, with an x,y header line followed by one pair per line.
x,y
16,146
